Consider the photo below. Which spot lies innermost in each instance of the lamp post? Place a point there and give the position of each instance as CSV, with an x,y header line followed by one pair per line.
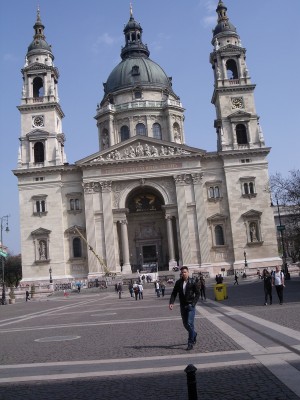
x,y
50,273
281,228
245,256
4,218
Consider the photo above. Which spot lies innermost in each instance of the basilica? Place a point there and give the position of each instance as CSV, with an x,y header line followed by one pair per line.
x,y
146,199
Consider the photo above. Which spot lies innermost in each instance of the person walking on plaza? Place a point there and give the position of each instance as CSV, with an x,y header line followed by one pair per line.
x,y
141,291
27,295
236,279
267,286
278,282
119,290
202,288
136,290
157,288
130,288
189,294
163,288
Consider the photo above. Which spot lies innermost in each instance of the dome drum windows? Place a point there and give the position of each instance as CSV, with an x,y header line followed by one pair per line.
x,y
141,129
156,131
124,133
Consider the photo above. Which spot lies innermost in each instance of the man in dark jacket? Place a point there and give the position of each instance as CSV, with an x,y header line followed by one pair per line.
x,y
189,294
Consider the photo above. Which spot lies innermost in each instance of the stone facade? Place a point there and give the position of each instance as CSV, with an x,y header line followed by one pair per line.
x,y
146,199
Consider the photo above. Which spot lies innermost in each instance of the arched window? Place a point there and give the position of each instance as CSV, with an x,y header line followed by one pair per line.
x,y
241,134
246,188
219,236
156,131
39,156
231,68
141,129
251,188
124,133
38,87
77,247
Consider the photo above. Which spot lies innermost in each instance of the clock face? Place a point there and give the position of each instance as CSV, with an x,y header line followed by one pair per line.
x,y
237,102
38,121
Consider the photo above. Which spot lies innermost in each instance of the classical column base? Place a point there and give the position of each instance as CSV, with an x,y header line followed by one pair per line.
x,y
126,269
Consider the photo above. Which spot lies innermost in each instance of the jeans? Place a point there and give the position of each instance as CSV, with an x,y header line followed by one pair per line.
x,y
188,316
279,290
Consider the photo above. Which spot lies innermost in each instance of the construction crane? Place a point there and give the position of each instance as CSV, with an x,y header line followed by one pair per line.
x,y
101,261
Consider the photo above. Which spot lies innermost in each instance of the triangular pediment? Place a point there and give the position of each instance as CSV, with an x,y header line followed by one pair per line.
x,y
239,115
37,133
40,232
216,217
251,214
140,147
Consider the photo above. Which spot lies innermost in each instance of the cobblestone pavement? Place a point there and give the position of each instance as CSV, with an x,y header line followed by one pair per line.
x,y
99,347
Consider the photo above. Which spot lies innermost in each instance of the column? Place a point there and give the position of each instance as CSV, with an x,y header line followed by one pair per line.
x,y
201,218
172,261
111,132
125,247
108,225
180,182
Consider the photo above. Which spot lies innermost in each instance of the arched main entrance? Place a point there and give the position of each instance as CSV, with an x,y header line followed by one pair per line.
x,y
147,234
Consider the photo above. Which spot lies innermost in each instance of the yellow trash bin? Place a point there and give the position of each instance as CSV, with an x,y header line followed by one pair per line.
x,y
220,290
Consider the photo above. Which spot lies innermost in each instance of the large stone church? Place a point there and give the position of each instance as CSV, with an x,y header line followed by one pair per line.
x,y
145,197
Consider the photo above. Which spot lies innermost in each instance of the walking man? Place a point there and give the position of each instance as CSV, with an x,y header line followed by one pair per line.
x,y
236,279
278,282
189,294
267,286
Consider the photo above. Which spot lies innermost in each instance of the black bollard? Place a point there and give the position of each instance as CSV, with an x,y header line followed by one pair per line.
x,y
191,381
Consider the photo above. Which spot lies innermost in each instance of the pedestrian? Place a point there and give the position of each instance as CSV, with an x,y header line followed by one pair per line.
x,y
267,286
278,282
236,279
119,290
189,294
27,295
157,288
78,287
136,291
130,288
163,288
202,288
141,291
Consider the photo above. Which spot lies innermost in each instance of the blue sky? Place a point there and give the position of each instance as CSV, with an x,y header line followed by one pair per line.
x,y
86,38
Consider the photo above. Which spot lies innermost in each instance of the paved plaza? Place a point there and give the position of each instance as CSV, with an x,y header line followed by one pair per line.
x,y
94,345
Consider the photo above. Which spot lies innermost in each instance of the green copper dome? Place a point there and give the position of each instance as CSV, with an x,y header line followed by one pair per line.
x,y
135,71
136,68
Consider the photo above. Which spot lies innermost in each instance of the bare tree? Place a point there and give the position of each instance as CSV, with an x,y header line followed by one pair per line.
x,y
286,191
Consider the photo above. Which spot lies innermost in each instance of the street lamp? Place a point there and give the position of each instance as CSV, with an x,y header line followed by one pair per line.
x,y
3,255
281,228
50,273
245,255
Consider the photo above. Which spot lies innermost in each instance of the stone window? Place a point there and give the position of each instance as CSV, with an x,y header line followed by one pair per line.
x,y
39,205
140,129
39,153
217,224
248,187
156,128
77,248
124,133
214,191
241,134
74,202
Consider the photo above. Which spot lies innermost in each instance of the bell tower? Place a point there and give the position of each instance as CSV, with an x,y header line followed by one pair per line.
x,y
42,140
237,123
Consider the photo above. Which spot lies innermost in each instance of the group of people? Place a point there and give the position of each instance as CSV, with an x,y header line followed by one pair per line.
x,y
136,290
275,278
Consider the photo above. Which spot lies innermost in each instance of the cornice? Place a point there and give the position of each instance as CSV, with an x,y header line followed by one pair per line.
x,y
244,152
45,170
41,106
232,89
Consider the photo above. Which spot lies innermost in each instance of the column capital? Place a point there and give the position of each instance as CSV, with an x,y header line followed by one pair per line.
x,y
91,187
123,221
197,178
106,186
183,179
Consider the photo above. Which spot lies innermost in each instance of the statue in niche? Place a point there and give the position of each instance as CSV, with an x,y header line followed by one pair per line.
x,y
105,141
42,250
171,151
177,136
253,234
218,73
